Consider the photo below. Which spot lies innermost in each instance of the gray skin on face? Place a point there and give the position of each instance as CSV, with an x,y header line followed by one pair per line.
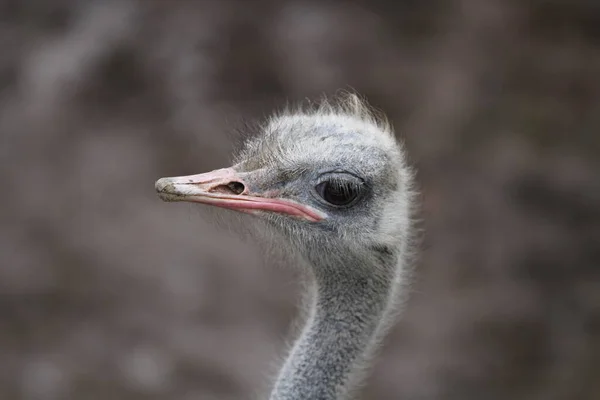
x,y
354,254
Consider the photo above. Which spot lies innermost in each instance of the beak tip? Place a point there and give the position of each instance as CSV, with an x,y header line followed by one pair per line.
x,y
161,184
165,189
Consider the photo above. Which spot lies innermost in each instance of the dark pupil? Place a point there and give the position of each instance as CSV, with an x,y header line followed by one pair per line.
x,y
337,193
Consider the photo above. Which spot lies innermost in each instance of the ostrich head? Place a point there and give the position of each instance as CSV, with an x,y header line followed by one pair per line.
x,y
334,186
332,181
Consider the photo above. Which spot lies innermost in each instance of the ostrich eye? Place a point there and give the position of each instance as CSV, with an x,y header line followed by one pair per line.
x,y
338,192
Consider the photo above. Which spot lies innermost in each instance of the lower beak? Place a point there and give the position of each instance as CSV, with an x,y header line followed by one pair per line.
x,y
225,188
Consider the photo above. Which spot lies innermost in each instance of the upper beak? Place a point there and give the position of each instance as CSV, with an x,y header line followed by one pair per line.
x,y
225,188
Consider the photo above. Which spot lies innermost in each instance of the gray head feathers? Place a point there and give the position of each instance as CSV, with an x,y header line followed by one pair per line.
x,y
357,255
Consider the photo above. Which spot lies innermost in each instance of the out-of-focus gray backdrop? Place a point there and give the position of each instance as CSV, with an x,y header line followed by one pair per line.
x,y
106,292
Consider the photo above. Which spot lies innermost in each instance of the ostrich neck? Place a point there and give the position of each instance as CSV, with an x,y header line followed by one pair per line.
x,y
346,313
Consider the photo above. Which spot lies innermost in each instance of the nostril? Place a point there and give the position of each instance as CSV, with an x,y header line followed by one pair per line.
x,y
236,187
230,188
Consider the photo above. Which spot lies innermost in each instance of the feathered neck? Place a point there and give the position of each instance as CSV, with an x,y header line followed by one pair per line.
x,y
347,315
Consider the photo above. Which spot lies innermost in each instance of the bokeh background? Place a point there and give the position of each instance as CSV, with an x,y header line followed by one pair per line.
x,y
106,292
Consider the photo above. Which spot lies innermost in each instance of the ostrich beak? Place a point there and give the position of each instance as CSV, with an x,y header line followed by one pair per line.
x,y
224,188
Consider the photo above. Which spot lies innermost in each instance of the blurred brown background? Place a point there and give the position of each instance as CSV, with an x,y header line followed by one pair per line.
x,y
108,293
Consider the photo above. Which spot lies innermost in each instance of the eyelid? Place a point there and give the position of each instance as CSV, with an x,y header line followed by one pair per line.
x,y
336,176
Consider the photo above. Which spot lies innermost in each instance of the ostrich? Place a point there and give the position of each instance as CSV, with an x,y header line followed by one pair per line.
x,y
334,185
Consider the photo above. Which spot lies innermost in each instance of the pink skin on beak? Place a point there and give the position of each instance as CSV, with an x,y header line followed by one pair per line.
x,y
224,188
